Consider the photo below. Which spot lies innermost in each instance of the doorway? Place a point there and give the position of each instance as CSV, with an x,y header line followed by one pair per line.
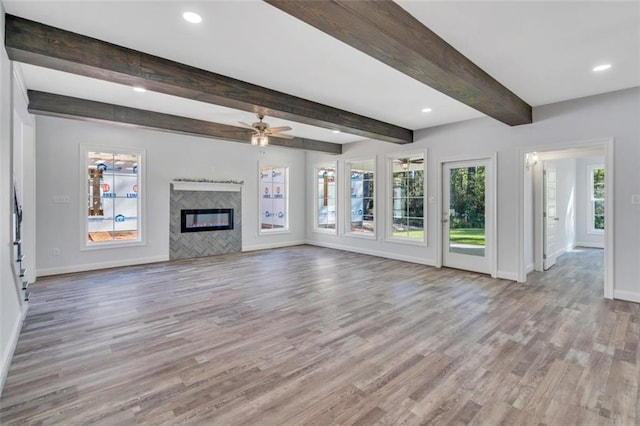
x,y
468,215
564,206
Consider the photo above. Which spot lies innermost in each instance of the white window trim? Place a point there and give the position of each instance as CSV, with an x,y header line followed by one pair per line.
x,y
591,200
347,197
389,203
286,229
316,228
84,190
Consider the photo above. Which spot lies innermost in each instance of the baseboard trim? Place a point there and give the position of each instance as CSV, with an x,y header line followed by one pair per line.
x,y
629,296
504,275
589,245
7,357
102,265
384,254
256,247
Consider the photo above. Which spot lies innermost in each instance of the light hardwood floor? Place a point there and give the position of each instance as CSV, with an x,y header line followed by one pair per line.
x,y
307,335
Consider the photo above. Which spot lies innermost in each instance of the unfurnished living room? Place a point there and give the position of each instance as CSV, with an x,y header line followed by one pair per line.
x,y
289,212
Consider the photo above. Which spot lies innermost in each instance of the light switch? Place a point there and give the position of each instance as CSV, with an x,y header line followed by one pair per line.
x,y
61,199
635,199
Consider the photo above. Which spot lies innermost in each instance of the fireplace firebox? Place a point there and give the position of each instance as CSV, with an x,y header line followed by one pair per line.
x,y
200,220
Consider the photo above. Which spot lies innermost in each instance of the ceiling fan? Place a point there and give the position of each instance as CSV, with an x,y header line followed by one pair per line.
x,y
262,131
406,162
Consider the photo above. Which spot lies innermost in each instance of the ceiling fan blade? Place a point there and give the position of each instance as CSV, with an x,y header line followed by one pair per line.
x,y
281,136
247,125
279,129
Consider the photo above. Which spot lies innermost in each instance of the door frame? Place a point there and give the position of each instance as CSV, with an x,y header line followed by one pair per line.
x,y
607,146
492,184
541,217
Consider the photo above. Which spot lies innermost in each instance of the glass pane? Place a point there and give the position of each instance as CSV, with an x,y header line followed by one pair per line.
x,y
326,197
467,210
598,215
598,183
415,207
362,196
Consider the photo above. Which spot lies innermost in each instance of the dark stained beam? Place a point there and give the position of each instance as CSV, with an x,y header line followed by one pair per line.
x,y
42,45
81,109
384,30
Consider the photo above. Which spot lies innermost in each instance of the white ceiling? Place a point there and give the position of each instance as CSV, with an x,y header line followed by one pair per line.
x,y
542,51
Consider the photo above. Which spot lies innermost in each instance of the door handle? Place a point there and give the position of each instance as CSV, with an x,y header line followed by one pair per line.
x,y
445,220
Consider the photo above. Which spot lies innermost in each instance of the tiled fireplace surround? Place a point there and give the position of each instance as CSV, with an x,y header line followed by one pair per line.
x,y
204,195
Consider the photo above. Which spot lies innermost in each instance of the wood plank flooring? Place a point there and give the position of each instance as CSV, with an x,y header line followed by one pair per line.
x,y
307,335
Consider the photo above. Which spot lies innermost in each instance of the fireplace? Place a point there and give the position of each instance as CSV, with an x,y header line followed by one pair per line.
x,y
201,220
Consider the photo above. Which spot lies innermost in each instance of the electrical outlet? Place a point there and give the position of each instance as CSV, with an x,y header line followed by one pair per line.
x,y
55,251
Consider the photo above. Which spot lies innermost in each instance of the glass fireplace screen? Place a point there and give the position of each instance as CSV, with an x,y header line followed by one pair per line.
x,y
199,220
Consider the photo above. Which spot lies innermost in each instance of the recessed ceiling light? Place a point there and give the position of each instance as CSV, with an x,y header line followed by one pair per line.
x,y
139,89
192,17
602,67
426,110
336,131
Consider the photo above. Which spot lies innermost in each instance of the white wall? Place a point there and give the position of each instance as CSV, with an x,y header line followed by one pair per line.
x,y
584,237
168,156
582,120
12,307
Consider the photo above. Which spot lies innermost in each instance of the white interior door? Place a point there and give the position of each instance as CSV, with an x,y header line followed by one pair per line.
x,y
550,216
467,217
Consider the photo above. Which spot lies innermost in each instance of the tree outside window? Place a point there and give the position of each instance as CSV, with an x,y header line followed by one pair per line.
x,y
407,197
597,198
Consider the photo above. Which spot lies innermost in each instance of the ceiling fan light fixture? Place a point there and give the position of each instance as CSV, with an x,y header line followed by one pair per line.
x,y
263,140
254,139
405,165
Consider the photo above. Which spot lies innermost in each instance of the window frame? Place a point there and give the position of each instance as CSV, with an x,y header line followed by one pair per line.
x,y
347,189
389,237
316,195
85,244
591,168
286,229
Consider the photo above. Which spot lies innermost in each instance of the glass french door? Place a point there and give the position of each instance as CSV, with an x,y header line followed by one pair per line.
x,y
467,215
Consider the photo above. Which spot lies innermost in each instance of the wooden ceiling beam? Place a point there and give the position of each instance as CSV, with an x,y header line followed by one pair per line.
x,y
50,104
45,46
384,30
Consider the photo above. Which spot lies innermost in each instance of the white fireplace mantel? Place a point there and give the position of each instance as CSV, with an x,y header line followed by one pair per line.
x,y
205,186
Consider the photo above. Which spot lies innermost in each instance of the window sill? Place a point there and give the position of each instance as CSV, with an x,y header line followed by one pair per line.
x,y
325,231
361,236
112,245
407,241
263,233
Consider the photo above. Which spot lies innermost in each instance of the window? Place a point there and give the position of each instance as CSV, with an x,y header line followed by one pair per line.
x,y
113,197
362,197
407,198
596,189
274,199
326,190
